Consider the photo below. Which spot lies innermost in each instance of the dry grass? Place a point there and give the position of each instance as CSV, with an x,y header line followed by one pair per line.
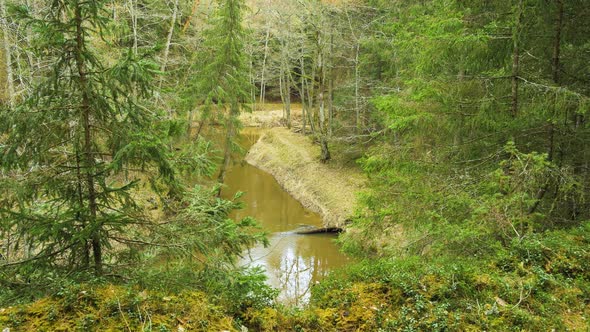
x,y
293,160
269,115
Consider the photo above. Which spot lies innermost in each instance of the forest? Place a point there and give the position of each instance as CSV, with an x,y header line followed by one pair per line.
x,y
294,165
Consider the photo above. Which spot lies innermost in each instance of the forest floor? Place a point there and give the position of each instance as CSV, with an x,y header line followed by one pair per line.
x,y
328,189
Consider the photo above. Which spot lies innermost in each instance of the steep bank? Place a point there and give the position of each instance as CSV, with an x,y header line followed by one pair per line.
x,y
293,160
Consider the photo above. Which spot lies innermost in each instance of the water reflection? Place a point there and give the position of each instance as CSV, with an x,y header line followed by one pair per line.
x,y
294,263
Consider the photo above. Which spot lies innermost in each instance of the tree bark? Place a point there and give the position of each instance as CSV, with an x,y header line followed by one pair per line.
x,y
331,87
133,14
8,56
262,75
516,58
357,108
89,163
288,99
281,92
302,93
357,46
555,63
287,72
229,139
168,42
187,23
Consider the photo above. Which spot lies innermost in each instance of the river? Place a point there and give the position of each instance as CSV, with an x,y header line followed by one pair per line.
x,y
293,263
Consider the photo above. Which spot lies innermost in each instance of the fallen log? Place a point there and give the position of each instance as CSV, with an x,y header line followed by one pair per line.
x,y
318,230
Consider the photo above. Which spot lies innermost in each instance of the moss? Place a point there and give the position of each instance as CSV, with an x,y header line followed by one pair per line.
x,y
115,308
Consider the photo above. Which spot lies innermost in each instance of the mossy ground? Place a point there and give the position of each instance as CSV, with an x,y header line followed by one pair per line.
x,y
541,283
115,308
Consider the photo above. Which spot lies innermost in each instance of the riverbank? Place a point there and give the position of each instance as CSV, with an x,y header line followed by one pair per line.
x,y
293,160
269,115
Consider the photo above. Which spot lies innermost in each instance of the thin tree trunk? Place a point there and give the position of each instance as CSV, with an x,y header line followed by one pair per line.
x,y
302,93
357,108
8,56
325,152
262,78
89,163
85,246
516,58
229,139
555,73
114,5
288,98
555,63
281,92
190,117
311,113
33,64
133,13
321,87
331,87
287,72
187,23
252,80
168,42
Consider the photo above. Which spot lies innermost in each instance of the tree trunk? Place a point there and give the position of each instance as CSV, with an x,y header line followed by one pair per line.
x,y
262,78
189,128
229,139
187,23
311,113
357,47
302,93
288,98
331,87
8,56
281,92
555,76
325,156
89,163
84,246
168,42
133,14
357,108
287,73
516,58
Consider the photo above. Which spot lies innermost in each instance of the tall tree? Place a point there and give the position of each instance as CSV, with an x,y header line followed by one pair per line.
x,y
66,146
225,79
7,51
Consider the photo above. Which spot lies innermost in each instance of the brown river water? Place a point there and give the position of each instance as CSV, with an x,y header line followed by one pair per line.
x,y
293,263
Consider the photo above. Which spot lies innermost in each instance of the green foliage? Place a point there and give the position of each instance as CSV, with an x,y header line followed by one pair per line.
x,y
534,283
197,249
81,128
112,308
455,170
79,159
203,227
223,80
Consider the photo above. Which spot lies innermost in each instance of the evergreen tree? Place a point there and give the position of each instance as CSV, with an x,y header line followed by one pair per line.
x,y
224,79
478,89
66,152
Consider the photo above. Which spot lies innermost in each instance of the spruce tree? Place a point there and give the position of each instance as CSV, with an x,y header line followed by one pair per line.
x,y
224,79
66,151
